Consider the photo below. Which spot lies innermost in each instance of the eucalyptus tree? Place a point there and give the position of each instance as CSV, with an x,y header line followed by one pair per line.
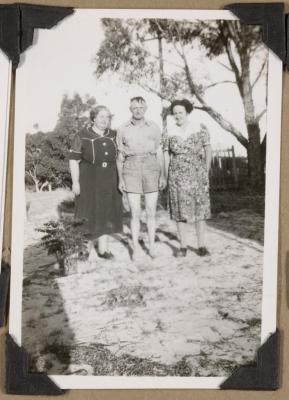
x,y
134,49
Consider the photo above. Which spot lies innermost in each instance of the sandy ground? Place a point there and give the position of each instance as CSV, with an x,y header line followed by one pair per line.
x,y
198,316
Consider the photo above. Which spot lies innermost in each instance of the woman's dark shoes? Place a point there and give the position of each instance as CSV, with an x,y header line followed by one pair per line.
x,y
203,251
107,255
182,252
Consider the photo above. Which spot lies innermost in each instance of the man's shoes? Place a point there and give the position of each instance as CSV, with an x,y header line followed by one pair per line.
x,y
203,251
182,252
136,254
107,255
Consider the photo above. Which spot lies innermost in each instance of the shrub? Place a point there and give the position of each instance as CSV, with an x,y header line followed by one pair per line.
x,y
66,240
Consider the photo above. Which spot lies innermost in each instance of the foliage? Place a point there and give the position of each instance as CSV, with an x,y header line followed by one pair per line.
x,y
128,50
214,37
134,49
73,117
64,239
46,153
38,166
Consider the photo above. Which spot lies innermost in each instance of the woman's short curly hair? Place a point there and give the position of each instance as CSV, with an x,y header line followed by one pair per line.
x,y
188,106
93,113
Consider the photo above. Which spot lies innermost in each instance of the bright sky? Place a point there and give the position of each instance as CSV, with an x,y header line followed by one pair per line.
x,y
61,62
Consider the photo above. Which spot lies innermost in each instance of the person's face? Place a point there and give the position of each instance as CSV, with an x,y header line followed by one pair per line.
x,y
138,109
102,119
180,115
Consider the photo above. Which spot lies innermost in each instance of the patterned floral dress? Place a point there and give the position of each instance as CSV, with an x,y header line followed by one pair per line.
x,y
188,181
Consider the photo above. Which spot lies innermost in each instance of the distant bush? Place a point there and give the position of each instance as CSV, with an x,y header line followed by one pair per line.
x,y
46,162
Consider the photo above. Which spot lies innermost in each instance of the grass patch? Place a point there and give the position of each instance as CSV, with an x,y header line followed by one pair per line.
x,y
226,201
125,296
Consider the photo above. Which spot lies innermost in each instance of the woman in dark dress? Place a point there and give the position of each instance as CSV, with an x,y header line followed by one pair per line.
x,y
92,161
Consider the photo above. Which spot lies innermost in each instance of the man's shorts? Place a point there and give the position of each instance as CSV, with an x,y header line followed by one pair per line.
x,y
141,174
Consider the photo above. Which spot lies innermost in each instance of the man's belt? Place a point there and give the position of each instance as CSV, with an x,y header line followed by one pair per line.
x,y
140,155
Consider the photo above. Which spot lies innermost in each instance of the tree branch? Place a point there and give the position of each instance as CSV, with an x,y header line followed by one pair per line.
x,y
148,39
232,61
156,21
150,54
217,117
260,72
177,50
151,89
225,66
235,35
218,83
228,36
43,185
166,61
33,177
259,116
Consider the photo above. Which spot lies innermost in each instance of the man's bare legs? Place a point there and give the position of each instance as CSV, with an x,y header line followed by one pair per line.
x,y
135,209
151,207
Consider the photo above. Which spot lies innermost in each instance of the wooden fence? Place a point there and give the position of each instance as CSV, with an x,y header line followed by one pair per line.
x,y
227,170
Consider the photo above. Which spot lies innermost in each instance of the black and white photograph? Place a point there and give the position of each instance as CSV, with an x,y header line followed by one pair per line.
x,y
145,198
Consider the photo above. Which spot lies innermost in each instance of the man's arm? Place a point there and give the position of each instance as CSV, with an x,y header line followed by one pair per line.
x,y
120,160
161,160
160,157
74,170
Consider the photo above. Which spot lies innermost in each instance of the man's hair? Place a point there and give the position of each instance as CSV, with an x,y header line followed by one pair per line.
x,y
138,99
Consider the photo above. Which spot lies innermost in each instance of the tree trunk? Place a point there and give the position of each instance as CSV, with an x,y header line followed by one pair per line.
x,y
44,186
33,176
256,174
161,63
36,184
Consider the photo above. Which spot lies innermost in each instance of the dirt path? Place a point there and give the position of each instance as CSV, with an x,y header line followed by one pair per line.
x,y
194,316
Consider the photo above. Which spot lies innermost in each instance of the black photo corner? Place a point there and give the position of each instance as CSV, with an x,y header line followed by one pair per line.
x,y
18,22
4,291
18,380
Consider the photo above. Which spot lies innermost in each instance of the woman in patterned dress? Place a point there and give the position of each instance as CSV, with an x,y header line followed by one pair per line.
x,y
188,158
98,202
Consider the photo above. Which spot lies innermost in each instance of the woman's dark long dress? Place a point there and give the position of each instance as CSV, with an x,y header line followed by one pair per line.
x,y
99,204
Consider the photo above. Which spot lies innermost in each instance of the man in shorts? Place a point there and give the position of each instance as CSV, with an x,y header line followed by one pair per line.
x,y
140,165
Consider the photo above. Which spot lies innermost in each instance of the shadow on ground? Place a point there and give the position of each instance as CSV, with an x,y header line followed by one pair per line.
x,y
239,213
46,340
64,317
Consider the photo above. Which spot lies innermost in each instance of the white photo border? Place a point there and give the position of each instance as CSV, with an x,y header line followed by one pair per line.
x,y
5,86
269,294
